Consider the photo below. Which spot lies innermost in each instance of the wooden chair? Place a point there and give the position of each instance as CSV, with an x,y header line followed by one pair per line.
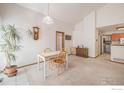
x,y
59,61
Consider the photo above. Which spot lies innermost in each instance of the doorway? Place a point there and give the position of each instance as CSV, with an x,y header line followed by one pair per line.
x,y
60,44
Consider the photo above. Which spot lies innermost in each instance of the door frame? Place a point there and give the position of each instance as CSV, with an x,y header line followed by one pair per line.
x,y
63,39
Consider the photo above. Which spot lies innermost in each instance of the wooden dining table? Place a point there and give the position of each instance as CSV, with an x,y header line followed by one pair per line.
x,y
44,56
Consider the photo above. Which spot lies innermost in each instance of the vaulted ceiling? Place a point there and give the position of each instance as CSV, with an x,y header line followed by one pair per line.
x,y
69,13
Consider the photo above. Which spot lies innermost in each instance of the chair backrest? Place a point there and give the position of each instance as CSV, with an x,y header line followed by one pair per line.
x,y
47,50
62,56
63,50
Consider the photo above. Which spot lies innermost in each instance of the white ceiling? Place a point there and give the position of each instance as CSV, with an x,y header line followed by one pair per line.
x,y
69,13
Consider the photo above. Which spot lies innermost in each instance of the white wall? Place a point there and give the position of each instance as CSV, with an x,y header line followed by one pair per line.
x,y
0,16
25,19
110,14
84,34
0,20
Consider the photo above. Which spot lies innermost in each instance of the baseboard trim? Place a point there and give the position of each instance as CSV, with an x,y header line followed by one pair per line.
x,y
27,65
116,62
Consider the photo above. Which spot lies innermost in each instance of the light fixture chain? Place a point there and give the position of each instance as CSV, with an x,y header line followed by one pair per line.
x,y
48,9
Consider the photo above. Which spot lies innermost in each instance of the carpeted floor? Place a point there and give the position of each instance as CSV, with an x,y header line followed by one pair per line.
x,y
81,71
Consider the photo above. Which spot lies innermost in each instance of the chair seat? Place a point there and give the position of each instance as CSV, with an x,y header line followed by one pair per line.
x,y
59,61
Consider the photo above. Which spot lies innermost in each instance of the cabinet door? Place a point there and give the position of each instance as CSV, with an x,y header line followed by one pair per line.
x,y
79,52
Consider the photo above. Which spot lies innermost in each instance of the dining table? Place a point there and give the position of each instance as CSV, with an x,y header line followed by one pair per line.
x,y
44,58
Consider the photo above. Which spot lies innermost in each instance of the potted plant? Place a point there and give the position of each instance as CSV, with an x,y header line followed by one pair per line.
x,y
9,44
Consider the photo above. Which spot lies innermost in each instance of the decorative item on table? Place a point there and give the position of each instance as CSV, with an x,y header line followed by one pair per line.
x,y
36,33
78,46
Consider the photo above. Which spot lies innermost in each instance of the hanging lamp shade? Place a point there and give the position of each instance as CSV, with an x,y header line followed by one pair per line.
x,y
47,19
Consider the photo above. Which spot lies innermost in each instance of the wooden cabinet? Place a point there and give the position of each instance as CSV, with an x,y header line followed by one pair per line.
x,y
82,52
79,52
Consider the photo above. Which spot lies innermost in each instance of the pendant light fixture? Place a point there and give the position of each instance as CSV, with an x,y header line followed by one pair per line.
x,y
47,19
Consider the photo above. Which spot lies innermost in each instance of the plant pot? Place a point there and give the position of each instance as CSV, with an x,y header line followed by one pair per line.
x,y
10,71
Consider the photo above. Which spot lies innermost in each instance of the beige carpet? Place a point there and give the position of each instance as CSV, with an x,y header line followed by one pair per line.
x,y
82,71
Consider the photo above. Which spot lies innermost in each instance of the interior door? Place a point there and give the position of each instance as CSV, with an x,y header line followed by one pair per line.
x,y
59,40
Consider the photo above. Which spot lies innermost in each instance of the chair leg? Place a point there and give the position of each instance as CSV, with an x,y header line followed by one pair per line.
x,y
50,65
60,68
63,67
57,69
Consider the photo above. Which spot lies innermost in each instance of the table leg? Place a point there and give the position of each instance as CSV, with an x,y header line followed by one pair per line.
x,y
44,65
44,69
66,61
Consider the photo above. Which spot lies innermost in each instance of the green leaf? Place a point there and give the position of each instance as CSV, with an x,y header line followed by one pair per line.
x,y
10,41
12,57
